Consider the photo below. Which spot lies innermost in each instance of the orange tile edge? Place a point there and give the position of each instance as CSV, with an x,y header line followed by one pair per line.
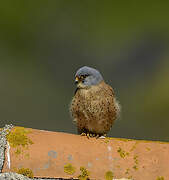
x,y
47,154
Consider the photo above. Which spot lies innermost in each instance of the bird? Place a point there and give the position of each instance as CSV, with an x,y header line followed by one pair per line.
x,y
94,107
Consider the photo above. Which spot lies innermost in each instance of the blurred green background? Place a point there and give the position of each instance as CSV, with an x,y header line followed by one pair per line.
x,y
43,43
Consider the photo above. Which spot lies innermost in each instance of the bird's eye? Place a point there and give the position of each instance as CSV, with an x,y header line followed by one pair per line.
x,y
83,76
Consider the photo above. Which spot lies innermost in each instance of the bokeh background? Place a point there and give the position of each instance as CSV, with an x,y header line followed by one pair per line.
x,y
43,43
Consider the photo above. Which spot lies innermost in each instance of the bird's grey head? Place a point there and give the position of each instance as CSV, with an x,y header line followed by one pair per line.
x,y
87,76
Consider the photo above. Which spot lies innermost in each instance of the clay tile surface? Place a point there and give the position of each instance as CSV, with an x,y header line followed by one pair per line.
x,y
48,154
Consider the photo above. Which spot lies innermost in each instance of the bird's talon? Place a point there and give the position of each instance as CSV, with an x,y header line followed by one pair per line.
x,y
97,136
83,134
102,137
105,135
88,135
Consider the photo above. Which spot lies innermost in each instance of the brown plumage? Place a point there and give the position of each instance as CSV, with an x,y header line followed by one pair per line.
x,y
94,108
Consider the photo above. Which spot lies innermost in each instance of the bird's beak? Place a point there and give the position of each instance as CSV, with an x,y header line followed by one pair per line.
x,y
76,80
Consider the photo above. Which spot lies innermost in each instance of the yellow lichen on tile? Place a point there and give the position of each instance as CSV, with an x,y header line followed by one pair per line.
x,y
27,155
25,171
18,151
122,153
69,169
136,159
148,149
134,146
160,178
109,175
18,139
84,174
136,162
106,140
127,171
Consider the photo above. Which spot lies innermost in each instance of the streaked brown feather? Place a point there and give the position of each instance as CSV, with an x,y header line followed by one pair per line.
x,y
94,109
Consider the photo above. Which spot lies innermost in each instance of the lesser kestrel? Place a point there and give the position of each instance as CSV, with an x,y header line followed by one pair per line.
x,y
94,107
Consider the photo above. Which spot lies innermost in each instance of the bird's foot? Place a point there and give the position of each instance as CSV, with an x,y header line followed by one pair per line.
x,y
93,135
86,134
97,136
